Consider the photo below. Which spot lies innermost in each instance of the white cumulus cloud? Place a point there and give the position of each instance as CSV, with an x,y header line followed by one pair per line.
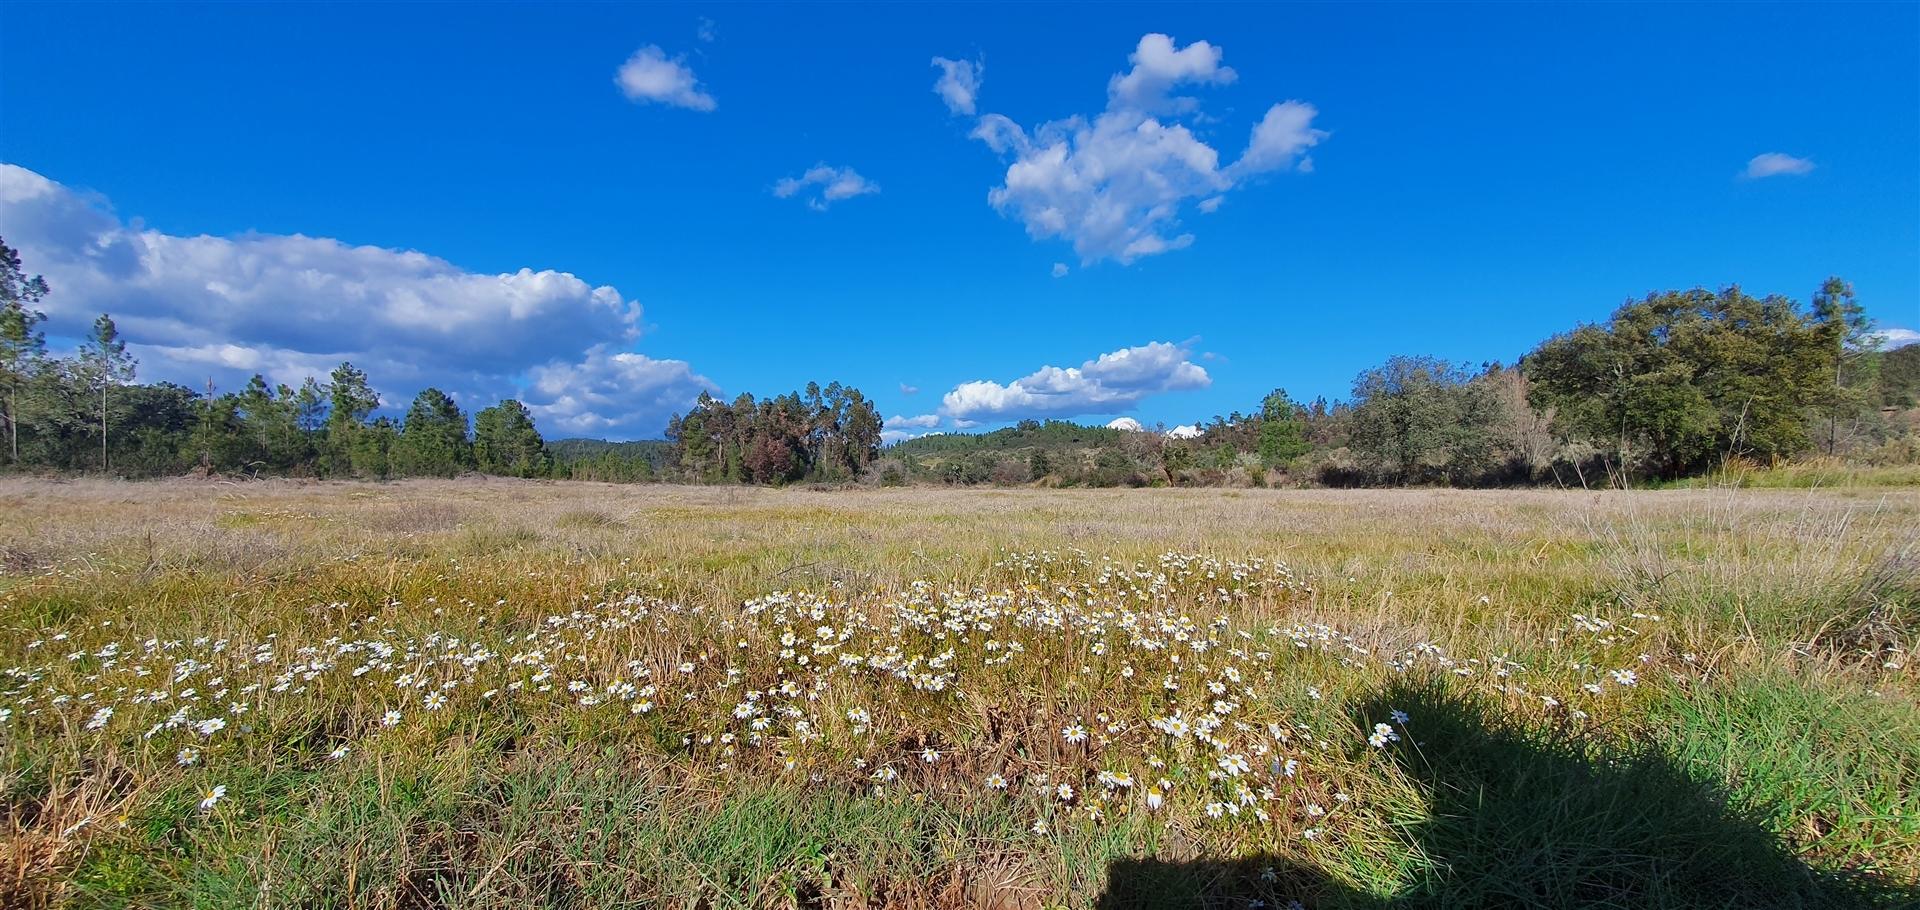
x,y
1126,424
959,83
1115,381
823,185
619,394
1158,66
1776,164
292,306
650,76
1114,184
1059,270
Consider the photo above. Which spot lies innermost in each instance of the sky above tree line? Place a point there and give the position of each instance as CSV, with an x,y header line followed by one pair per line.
x,y
975,214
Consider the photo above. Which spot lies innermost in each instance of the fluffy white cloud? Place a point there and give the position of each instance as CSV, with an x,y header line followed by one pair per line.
x,y
1059,270
1775,164
959,83
1127,424
1113,185
1158,66
909,389
618,394
1893,337
1184,431
921,421
1112,382
823,185
291,306
650,76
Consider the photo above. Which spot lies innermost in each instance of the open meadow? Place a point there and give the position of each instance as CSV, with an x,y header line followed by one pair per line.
x,y
491,694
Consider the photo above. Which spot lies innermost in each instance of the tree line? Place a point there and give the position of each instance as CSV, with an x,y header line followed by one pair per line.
x,y
1670,385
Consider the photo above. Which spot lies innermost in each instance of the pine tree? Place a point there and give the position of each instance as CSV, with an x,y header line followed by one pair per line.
x,y
1283,435
310,407
23,347
371,449
352,402
105,364
1848,336
433,442
505,441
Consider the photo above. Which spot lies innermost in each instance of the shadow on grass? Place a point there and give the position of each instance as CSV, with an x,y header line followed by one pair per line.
x,y
1525,819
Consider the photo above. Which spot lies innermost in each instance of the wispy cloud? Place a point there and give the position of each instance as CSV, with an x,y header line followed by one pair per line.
x,y
650,76
822,185
899,429
959,83
1776,164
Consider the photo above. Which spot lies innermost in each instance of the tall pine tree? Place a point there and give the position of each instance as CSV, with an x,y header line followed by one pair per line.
x,y
105,364
23,347
433,442
505,442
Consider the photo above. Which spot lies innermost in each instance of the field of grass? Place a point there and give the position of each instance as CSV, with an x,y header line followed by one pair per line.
x,y
496,694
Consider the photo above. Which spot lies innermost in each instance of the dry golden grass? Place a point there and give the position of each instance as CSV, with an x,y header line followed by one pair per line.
x,y
1771,604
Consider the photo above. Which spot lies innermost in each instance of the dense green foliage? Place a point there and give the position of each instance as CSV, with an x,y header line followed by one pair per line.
x,y
506,443
1421,419
611,462
1674,381
433,442
1897,382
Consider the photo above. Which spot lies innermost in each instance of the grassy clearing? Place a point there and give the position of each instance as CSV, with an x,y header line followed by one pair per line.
x,y
1818,472
497,694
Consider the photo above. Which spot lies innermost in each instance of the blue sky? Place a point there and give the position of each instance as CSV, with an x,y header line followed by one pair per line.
x,y
1250,196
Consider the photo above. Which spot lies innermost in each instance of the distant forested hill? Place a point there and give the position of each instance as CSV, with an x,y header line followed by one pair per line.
x,y
618,462
1028,434
1070,453
656,452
